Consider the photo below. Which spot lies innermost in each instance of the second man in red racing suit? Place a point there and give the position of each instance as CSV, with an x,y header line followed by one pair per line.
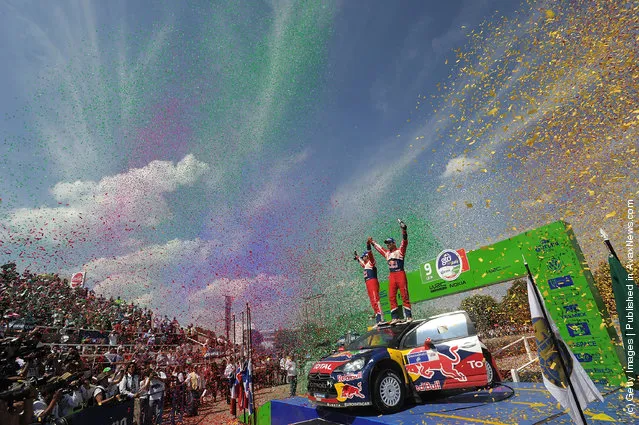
x,y
367,261
397,276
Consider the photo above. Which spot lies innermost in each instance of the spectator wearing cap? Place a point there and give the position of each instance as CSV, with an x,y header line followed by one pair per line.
x,y
104,391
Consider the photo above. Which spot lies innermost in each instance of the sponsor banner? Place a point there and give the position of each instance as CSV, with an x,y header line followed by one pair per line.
x,y
572,299
485,266
563,278
349,377
448,264
560,282
115,413
77,280
573,309
332,402
578,329
326,367
592,353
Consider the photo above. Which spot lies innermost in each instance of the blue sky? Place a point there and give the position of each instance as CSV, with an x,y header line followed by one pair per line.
x,y
181,152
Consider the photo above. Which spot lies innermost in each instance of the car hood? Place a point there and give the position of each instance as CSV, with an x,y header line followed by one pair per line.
x,y
330,363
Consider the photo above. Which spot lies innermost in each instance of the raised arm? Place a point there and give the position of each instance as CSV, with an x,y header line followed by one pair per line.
x,y
379,249
404,243
371,258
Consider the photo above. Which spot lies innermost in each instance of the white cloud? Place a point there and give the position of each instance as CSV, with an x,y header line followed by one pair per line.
x,y
463,165
91,209
142,276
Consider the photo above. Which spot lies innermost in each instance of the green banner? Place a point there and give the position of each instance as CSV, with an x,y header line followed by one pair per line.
x,y
563,278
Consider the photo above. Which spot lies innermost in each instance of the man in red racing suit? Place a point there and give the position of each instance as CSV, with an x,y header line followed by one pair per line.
x,y
367,261
397,276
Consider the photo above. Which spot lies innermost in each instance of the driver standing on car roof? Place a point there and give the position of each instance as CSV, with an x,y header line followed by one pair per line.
x,y
397,276
367,261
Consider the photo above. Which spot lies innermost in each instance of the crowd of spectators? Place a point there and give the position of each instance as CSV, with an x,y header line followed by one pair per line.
x,y
68,348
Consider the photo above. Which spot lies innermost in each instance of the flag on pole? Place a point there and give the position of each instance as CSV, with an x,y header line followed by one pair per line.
x,y
556,380
248,386
623,287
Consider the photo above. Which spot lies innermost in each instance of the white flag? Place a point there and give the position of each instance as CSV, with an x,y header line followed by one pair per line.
x,y
555,379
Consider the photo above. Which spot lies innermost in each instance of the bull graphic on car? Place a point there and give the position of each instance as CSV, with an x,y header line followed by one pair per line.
x,y
444,364
387,365
347,391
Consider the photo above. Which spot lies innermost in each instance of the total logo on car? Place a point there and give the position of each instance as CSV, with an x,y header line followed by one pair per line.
x,y
385,366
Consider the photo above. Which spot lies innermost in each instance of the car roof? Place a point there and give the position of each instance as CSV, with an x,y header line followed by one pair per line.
x,y
447,314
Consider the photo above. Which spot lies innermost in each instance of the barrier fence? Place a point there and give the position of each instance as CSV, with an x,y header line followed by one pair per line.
x,y
127,412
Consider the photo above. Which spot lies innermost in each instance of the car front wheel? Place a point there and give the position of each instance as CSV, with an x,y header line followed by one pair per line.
x,y
389,392
491,373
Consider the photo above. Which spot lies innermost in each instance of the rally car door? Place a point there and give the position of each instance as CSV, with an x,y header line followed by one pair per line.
x,y
445,353
421,363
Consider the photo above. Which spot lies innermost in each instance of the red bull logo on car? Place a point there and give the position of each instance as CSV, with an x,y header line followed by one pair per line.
x,y
349,377
444,364
347,391
428,386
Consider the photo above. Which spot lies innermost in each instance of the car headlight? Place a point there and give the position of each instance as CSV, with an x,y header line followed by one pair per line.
x,y
354,366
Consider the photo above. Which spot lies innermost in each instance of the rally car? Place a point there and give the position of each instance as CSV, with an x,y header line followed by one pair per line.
x,y
385,366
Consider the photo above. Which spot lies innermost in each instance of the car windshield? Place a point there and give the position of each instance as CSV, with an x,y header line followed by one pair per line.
x,y
383,337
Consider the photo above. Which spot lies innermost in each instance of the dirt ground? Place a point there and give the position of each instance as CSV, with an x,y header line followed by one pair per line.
x,y
218,413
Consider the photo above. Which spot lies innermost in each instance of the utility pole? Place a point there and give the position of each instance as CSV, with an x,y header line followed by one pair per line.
x,y
228,303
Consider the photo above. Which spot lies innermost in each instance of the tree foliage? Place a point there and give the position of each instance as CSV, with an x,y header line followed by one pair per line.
x,y
603,282
482,310
513,308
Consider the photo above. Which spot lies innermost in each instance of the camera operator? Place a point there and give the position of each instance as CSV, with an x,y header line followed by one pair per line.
x,y
75,395
52,364
32,366
45,408
104,392
71,361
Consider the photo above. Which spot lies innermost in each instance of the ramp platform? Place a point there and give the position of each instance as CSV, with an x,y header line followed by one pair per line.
x,y
508,404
